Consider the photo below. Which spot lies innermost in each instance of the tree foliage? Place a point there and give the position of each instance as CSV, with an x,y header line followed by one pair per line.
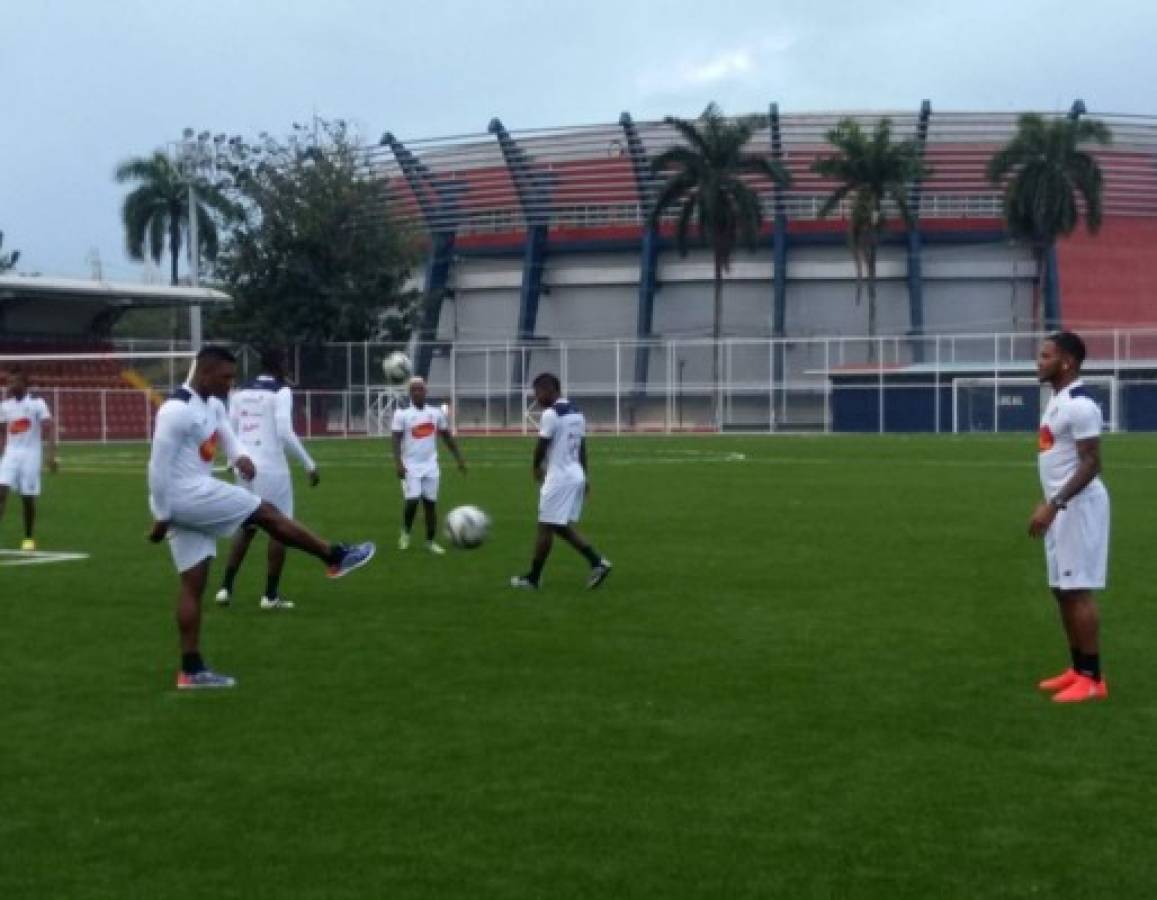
x,y
872,172
156,211
8,260
315,254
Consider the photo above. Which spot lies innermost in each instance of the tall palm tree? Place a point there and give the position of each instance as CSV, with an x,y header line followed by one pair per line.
x,y
159,207
1044,171
705,181
872,172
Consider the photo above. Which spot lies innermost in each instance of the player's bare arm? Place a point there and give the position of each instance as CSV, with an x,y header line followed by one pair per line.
x,y
583,463
158,531
452,446
396,441
1088,468
540,450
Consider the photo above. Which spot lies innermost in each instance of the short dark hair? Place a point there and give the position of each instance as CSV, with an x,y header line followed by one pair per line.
x,y
273,359
547,378
1070,343
216,353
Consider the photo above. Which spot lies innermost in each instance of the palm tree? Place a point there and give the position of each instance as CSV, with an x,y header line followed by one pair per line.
x,y
159,208
872,172
1044,171
8,260
704,179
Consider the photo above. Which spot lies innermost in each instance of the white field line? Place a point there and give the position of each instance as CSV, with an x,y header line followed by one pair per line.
x,y
37,557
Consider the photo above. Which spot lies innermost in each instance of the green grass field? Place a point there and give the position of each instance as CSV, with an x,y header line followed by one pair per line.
x,y
811,675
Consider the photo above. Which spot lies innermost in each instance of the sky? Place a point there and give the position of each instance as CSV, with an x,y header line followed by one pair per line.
x,y
85,84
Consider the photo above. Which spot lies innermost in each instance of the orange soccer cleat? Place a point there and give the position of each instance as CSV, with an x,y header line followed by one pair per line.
x,y
1083,688
1059,682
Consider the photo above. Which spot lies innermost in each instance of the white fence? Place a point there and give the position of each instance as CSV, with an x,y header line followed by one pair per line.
x,y
942,383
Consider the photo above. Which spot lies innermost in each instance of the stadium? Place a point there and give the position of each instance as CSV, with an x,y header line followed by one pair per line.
x,y
815,671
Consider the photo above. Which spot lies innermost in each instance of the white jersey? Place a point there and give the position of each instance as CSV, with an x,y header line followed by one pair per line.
x,y
23,418
261,414
419,429
565,427
1071,415
188,430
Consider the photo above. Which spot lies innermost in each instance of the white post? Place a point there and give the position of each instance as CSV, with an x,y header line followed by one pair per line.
x,y
194,265
104,416
880,370
618,376
827,387
995,383
486,383
454,382
936,386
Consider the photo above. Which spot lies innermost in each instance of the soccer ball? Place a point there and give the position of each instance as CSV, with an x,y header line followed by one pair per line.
x,y
396,366
467,527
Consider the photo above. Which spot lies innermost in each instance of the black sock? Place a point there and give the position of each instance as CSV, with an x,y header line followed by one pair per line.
x,y
191,663
230,575
336,554
1075,656
271,586
536,568
591,555
1089,665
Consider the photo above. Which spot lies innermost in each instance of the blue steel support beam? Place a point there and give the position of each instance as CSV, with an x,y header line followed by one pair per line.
x,y
916,245
649,251
779,256
437,200
534,196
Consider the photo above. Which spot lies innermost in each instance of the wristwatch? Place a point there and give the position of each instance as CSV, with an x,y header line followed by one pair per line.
x,y
1056,503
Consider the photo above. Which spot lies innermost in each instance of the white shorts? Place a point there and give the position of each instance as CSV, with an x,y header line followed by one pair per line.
x,y
20,471
561,504
275,486
421,486
1077,543
203,512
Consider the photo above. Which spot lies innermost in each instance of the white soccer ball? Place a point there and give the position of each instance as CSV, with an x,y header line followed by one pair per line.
x,y
396,366
467,527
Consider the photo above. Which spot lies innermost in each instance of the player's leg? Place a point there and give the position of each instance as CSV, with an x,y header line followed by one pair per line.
x,y
430,510
339,558
275,563
1082,559
192,552
237,551
3,500
600,566
543,543
29,503
409,513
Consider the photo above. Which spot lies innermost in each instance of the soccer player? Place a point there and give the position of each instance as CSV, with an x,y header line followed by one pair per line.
x,y
261,414
23,419
415,432
1073,519
193,509
562,447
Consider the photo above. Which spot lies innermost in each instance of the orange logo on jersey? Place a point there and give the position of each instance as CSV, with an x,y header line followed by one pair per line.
x,y
208,448
19,426
423,430
1045,439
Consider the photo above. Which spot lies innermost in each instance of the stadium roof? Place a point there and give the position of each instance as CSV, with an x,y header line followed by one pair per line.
x,y
36,306
115,293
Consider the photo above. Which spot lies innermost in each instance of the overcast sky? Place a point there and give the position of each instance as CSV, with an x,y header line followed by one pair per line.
x,y
86,83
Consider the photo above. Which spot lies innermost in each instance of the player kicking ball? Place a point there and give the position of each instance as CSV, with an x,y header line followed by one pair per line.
x,y
560,466
192,508
23,418
261,414
415,431
1074,517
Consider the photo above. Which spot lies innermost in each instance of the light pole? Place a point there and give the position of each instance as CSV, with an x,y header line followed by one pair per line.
x,y
195,159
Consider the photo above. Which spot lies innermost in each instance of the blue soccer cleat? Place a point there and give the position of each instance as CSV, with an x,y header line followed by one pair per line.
x,y
205,680
353,557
